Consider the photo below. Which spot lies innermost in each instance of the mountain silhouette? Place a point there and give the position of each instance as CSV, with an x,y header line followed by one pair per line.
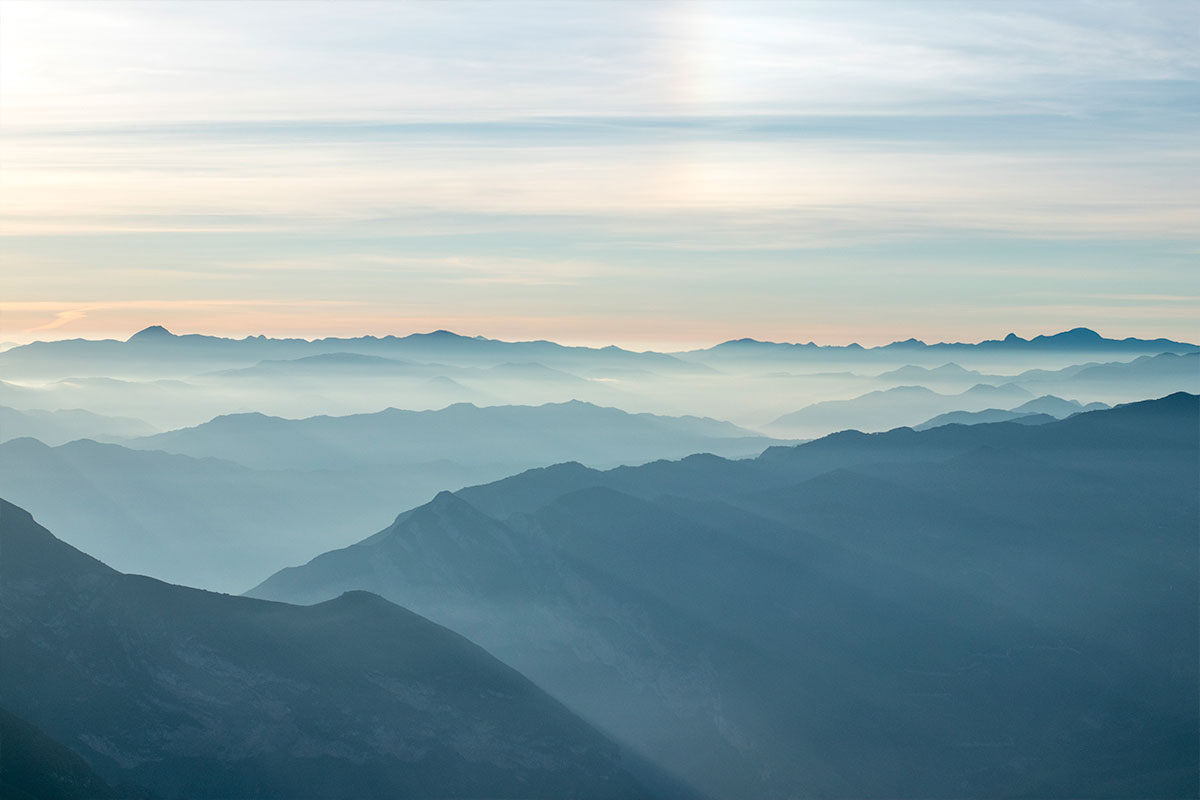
x,y
987,415
209,522
1078,339
1121,380
65,425
516,436
155,349
194,694
994,609
891,408
1033,412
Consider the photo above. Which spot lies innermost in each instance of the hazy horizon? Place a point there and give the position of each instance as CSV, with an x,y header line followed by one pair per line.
x,y
636,346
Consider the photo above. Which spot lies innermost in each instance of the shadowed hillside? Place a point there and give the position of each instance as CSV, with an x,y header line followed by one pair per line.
x,y
986,610
196,695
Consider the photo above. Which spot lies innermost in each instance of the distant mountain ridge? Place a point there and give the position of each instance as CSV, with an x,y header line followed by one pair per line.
x,y
898,406
1081,339
893,408
203,351
59,427
1034,412
463,432
224,504
203,521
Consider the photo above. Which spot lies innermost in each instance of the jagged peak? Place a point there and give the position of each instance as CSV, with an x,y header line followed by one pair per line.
x,y
445,500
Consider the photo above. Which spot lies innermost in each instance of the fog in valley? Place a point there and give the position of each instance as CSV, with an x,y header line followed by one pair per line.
x,y
213,462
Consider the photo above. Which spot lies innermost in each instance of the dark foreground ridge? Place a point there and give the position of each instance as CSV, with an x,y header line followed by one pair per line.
x,y
192,694
35,767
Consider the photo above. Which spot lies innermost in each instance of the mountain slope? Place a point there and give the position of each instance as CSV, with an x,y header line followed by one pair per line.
x,y
1120,381
986,610
35,767
354,697
1033,412
209,522
516,437
58,427
985,416
892,408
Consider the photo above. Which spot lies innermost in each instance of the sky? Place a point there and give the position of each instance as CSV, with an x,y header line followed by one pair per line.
x,y
654,175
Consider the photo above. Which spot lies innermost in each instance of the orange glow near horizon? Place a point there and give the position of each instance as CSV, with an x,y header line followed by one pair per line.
x,y
21,323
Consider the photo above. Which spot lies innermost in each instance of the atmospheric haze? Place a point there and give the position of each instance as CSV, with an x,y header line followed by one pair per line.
x,y
599,400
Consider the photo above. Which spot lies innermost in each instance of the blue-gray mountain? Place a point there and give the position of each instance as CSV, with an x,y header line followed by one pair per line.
x,y
205,522
151,350
1076,340
1034,412
59,427
894,408
175,381
510,438
967,611
912,405
301,487
193,352
192,694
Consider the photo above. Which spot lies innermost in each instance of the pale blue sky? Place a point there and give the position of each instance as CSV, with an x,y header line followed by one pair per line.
x,y
649,174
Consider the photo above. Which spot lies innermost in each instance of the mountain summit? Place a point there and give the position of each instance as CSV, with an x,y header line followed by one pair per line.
x,y
151,333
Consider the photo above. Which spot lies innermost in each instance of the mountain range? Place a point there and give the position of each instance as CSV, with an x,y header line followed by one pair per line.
x,y
1075,340
59,427
158,349
205,522
179,381
516,437
882,409
893,408
1034,412
995,609
194,352
285,490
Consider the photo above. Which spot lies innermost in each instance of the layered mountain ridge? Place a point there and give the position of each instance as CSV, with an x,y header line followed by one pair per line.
x,y
949,606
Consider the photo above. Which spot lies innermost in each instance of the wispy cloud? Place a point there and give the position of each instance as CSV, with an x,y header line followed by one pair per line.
x,y
716,164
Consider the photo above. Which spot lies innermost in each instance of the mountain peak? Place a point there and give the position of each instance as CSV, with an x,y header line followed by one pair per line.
x,y
154,332
446,500
951,368
1080,334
